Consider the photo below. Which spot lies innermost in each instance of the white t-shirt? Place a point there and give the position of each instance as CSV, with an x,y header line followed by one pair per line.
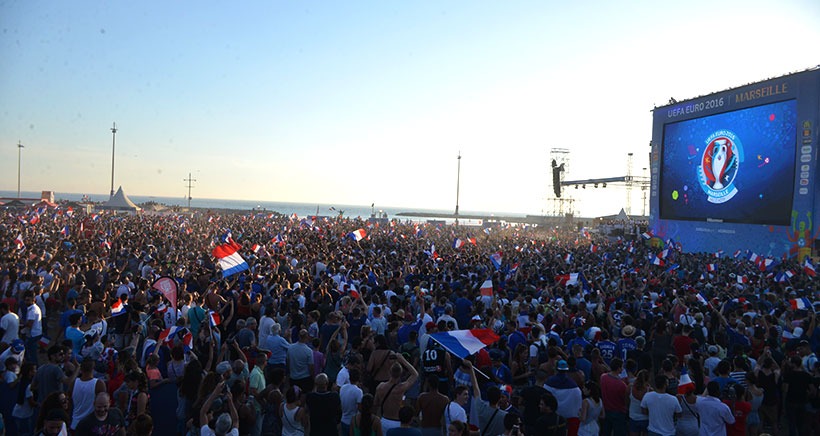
x,y
10,323
662,409
454,412
350,396
343,377
33,313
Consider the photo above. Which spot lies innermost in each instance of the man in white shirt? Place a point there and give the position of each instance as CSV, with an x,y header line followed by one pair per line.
x,y
350,395
661,408
714,414
9,326
455,409
34,326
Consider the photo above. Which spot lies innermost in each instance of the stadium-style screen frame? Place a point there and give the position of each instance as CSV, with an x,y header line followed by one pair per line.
x,y
760,140
767,235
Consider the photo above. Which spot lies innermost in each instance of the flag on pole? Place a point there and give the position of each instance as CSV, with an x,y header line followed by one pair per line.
x,y
464,343
647,235
808,267
357,235
214,318
458,243
702,299
487,288
800,303
229,259
496,258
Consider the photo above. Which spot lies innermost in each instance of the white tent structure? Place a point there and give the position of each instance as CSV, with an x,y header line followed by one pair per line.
x,y
120,203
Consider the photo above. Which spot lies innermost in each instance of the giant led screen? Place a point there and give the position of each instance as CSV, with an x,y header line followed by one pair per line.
x,y
734,166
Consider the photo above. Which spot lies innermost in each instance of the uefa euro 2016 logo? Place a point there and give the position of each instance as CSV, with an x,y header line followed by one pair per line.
x,y
719,166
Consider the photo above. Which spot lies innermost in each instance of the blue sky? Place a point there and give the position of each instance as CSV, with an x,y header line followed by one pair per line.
x,y
360,102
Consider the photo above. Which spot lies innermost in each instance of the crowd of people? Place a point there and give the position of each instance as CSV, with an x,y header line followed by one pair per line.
x,y
331,330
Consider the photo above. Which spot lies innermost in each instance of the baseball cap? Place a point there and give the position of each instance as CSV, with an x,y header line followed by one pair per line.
x,y
18,346
562,365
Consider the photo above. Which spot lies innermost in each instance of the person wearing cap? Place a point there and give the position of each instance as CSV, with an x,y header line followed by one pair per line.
x,y
626,343
808,358
568,394
711,362
501,373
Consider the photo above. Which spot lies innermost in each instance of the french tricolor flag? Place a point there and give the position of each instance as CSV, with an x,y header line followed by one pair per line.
x,y
19,241
663,254
458,243
593,248
214,318
808,267
117,308
34,220
711,267
736,254
465,343
685,384
701,299
657,261
742,279
568,258
487,288
800,303
647,235
229,259
718,254
257,247
65,231
358,235
496,259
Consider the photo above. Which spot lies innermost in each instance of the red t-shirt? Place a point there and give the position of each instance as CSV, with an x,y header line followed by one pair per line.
x,y
741,410
682,345
613,393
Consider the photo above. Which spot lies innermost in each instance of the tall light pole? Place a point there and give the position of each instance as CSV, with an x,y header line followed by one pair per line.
x,y
189,180
458,184
19,154
113,146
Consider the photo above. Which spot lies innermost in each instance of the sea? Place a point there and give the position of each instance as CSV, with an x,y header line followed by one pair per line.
x,y
287,208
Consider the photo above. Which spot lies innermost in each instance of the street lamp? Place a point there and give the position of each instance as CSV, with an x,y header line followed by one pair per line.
x,y
19,154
